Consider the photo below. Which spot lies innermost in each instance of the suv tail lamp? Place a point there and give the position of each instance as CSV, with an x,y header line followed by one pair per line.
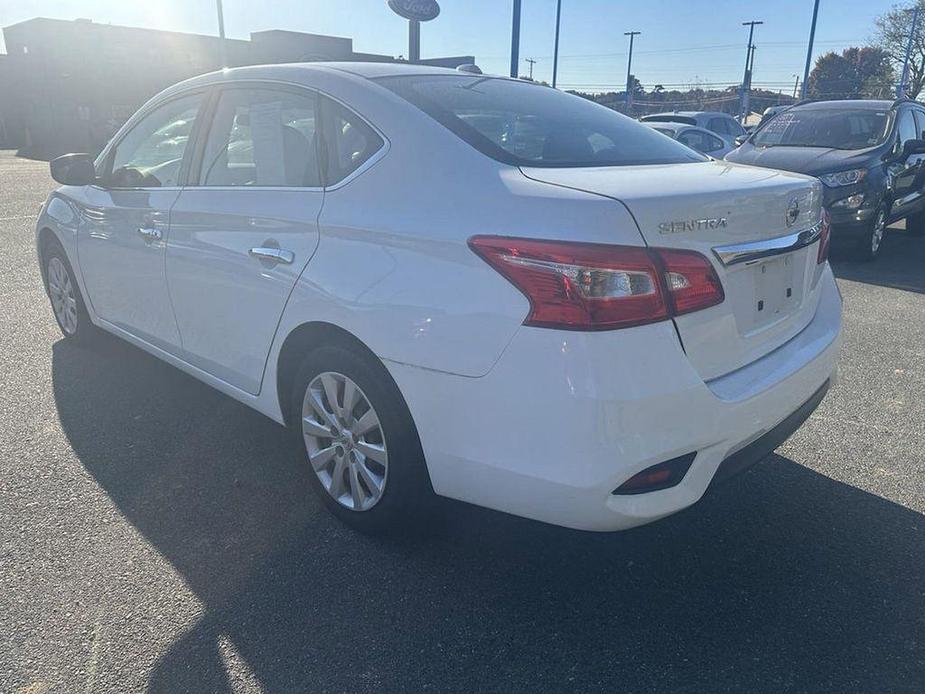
x,y
596,286
825,237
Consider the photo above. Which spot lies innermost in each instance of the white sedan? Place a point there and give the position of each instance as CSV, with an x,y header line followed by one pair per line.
x,y
452,284
694,137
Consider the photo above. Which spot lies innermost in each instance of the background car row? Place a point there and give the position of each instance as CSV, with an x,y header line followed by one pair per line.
x,y
869,154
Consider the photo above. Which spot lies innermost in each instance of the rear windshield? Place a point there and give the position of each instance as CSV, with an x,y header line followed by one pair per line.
x,y
526,124
833,128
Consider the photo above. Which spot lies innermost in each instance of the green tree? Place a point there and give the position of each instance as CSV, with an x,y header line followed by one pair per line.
x,y
855,73
893,35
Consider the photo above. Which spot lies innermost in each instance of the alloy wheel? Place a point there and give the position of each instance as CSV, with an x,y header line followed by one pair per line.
x,y
62,294
345,441
876,236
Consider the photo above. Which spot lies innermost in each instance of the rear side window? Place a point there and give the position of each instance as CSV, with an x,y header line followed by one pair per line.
x,y
350,141
719,125
525,124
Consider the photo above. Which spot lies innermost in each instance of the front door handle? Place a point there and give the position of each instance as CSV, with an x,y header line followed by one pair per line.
x,y
150,234
276,255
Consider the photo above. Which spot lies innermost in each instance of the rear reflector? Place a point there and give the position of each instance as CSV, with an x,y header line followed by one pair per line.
x,y
660,476
595,286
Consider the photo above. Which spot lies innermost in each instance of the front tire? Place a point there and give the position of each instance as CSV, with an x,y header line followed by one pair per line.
x,y
67,304
870,243
361,446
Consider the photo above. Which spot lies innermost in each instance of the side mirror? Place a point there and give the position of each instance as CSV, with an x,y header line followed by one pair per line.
x,y
75,170
911,147
740,140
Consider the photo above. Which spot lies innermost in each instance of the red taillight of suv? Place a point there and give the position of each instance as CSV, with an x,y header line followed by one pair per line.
x,y
593,286
825,237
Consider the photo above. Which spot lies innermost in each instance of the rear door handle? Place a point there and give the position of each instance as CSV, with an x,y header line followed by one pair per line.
x,y
150,234
276,255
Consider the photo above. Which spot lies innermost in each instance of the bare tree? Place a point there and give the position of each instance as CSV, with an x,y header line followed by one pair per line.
x,y
893,35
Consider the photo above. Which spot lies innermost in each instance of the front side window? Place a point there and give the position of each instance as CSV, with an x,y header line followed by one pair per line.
x,y
150,154
829,128
525,124
907,129
262,137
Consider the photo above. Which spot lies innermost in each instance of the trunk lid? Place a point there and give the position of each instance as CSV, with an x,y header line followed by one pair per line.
x,y
729,213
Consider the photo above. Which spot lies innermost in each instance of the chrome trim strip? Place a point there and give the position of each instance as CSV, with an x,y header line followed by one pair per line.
x,y
756,250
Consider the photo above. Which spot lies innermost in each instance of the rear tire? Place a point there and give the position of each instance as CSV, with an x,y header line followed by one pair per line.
x,y
67,304
869,245
359,441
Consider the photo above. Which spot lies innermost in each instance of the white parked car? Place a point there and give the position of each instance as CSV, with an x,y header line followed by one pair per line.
x,y
696,138
446,283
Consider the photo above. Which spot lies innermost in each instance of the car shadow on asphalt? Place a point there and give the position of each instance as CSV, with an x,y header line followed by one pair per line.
x,y
901,264
781,579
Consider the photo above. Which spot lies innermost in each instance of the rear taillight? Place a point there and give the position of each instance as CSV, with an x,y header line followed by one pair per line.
x,y
825,237
592,286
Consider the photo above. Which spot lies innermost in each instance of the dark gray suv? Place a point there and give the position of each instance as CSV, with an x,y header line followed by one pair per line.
x,y
869,154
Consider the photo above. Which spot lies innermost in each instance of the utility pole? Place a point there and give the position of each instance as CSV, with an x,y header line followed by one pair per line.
x,y
748,59
221,32
515,39
532,63
809,49
795,85
555,52
629,69
901,88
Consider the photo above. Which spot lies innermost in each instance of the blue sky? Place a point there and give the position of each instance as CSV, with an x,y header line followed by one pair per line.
x,y
683,42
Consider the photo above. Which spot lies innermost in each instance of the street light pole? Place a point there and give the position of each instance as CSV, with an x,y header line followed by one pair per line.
x,y
748,59
904,78
555,52
414,41
629,69
515,39
221,32
809,49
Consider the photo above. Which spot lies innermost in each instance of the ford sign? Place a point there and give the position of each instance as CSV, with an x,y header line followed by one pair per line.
x,y
416,10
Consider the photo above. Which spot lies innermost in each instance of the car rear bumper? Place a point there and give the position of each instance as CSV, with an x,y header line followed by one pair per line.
x,y
564,418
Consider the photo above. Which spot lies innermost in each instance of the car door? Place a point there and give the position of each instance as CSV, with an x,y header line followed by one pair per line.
x,y
243,230
125,221
905,172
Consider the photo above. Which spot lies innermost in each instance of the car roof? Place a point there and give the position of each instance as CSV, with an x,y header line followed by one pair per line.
x,y
863,104
671,125
688,114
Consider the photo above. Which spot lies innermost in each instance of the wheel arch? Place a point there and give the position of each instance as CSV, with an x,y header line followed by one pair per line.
x,y
306,337
46,237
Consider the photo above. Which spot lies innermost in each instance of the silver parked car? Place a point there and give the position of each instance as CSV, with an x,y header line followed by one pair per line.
x,y
696,138
722,124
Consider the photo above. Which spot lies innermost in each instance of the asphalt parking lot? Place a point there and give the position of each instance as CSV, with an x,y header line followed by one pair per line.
x,y
157,536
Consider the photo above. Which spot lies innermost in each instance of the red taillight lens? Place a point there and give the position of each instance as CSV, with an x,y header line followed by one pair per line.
x,y
691,280
592,286
825,237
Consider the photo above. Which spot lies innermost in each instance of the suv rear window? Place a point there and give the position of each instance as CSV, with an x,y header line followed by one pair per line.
x,y
525,124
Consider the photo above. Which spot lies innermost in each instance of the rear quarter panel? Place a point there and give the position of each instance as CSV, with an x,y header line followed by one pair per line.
x,y
393,266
